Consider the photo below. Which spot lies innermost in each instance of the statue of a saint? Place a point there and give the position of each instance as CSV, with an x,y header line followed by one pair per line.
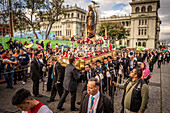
x,y
90,22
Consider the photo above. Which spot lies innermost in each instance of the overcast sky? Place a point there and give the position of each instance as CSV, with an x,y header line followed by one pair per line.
x,y
122,7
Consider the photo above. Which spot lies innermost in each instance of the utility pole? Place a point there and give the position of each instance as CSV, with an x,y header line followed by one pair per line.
x,y
11,18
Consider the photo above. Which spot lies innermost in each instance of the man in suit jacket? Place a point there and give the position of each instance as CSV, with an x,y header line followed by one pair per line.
x,y
35,76
70,84
58,77
94,101
125,60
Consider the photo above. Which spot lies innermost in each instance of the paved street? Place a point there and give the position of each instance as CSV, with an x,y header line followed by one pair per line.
x,y
156,88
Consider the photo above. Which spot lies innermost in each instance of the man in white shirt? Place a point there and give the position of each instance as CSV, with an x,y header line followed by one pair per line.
x,y
93,101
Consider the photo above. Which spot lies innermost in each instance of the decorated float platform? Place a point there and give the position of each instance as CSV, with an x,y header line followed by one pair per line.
x,y
87,51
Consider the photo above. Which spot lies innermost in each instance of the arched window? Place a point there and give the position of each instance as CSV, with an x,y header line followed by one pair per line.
x,y
72,15
139,43
120,42
149,8
144,44
137,10
81,17
123,23
78,15
143,9
127,24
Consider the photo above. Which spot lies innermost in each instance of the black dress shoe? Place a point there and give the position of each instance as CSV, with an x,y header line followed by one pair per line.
x,y
50,100
75,109
61,109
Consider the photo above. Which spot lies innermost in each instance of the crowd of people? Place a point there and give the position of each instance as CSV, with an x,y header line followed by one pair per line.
x,y
102,78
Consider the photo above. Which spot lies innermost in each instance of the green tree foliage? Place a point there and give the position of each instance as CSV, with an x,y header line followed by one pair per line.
x,y
115,31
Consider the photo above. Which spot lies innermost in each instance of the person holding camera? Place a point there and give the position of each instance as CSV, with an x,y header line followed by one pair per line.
x,y
136,93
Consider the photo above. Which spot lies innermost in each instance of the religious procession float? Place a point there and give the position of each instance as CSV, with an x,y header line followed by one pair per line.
x,y
89,49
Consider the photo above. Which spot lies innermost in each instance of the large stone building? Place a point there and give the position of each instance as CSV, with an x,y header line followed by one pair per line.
x,y
71,24
143,24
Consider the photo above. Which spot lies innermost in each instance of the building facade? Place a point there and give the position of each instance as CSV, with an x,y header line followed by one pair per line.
x,y
4,29
143,24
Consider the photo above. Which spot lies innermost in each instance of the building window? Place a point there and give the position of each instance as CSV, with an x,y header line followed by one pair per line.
x,y
72,15
143,9
149,8
139,22
68,15
123,23
60,33
128,43
144,44
127,24
142,22
78,15
137,10
81,17
139,43
120,42
139,32
142,32
145,22
145,32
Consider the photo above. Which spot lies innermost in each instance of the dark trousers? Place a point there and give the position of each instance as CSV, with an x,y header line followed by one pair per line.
x,y
151,67
167,59
58,87
24,72
159,63
49,83
36,87
9,77
63,97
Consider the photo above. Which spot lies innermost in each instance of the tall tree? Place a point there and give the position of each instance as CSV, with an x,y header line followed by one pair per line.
x,y
30,14
115,31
